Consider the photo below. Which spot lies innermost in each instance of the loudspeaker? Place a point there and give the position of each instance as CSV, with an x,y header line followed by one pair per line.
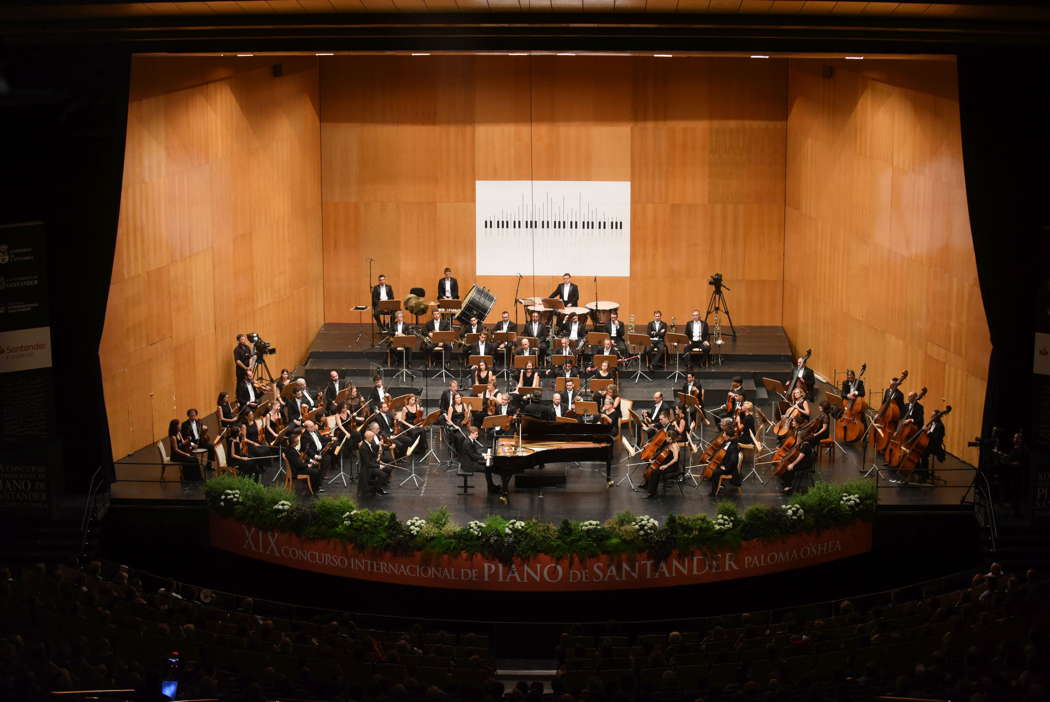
x,y
277,69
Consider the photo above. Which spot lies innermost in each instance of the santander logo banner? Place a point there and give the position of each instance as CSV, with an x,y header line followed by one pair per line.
x,y
542,573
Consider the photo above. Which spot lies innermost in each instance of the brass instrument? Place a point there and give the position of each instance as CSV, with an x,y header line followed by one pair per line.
x,y
630,324
413,304
674,324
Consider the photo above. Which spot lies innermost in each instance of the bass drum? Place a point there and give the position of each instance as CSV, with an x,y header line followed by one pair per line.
x,y
478,303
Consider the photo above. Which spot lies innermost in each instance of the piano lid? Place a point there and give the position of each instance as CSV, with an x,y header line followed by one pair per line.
x,y
533,429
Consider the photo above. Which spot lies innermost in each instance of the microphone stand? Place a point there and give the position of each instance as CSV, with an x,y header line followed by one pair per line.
x,y
596,297
517,288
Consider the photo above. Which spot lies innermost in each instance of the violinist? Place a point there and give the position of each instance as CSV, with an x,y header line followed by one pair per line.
x,y
414,413
799,472
489,400
804,374
528,377
409,432
482,374
293,410
679,422
224,411
181,452
311,445
196,434
344,431
332,390
455,416
385,420
611,391
282,382
305,398
370,454
272,422
730,463
693,388
852,386
354,400
669,467
379,393
656,330
734,397
240,456
246,395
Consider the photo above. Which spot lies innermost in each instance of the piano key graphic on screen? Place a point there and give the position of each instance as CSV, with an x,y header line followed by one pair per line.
x,y
554,216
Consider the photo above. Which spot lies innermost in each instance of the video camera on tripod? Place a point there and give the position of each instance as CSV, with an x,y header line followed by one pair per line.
x,y
261,346
716,281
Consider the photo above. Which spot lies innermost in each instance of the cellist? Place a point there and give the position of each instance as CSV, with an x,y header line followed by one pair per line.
x,y
798,411
667,467
801,467
730,464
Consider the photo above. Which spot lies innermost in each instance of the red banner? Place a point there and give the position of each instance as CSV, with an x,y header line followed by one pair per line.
x,y
542,573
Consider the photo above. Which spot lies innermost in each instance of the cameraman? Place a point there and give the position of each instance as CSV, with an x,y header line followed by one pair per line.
x,y
242,357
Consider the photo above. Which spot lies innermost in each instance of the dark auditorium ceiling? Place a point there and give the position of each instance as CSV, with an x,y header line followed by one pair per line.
x,y
698,25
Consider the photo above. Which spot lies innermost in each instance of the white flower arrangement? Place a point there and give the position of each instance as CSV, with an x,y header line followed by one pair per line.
x,y
348,517
590,525
282,507
228,498
646,525
475,527
415,525
723,522
513,526
794,513
851,502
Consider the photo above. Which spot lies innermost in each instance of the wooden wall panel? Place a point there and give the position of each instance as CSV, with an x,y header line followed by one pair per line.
x,y
880,263
701,140
219,232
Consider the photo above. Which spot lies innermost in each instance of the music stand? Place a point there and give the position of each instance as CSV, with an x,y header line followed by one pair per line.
x,y
558,359
536,393
559,383
553,303
676,340
506,338
478,390
404,344
692,405
476,360
445,339
470,339
385,308
428,423
596,338
642,342
774,388
586,407
599,384
521,361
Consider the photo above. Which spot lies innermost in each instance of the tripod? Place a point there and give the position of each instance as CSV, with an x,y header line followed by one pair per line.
x,y
718,301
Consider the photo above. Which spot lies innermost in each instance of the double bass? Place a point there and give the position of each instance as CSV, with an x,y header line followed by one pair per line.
x,y
916,448
885,422
901,436
851,425
795,380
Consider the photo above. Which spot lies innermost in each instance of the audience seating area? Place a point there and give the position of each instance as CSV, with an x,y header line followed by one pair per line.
x,y
66,628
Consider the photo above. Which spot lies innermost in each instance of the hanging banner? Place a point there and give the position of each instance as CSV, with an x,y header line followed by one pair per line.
x,y
547,227
542,573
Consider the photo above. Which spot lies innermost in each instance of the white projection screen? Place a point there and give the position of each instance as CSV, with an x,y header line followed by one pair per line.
x,y
540,227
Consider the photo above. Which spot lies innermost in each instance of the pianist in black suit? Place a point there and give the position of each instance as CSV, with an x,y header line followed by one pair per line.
x,y
448,287
472,458
567,292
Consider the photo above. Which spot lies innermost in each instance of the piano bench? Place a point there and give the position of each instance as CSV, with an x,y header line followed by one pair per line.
x,y
466,475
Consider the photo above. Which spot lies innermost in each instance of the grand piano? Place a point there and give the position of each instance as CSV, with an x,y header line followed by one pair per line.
x,y
543,442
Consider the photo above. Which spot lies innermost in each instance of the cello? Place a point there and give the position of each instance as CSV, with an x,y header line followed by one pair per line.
x,y
885,422
654,452
852,424
789,450
895,451
919,445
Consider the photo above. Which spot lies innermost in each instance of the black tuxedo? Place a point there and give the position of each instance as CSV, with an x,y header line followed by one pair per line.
x,y
375,476
439,291
539,330
304,467
476,350
507,326
467,329
400,329
847,388
386,423
435,325
293,410
656,331
187,430
244,394
657,409
569,399
331,391
894,395
936,448
312,451
376,400
581,329
308,399
616,336
570,300
375,301
549,412
914,411
445,401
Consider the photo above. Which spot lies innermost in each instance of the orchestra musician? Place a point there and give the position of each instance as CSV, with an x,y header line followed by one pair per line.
x,y
805,375
602,372
240,458
246,395
293,408
563,347
311,444
668,468
224,411
446,395
399,327
852,386
615,330
380,292
571,394
474,327
405,422
379,393
656,330
528,377
481,347
525,348
455,416
305,398
798,475
679,421
567,292
243,353
913,411
272,423
489,400
354,400
610,413
606,349
436,324
734,397
556,409
332,390
696,332
575,330
692,387
894,394
800,410
745,422
483,375
448,287
935,448
384,420
370,452
504,324
282,382
344,431
658,404
730,464
539,330
196,434
180,452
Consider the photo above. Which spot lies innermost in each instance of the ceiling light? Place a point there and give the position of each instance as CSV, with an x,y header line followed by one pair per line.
x,y
662,56
324,53
421,53
242,55
853,58
759,56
